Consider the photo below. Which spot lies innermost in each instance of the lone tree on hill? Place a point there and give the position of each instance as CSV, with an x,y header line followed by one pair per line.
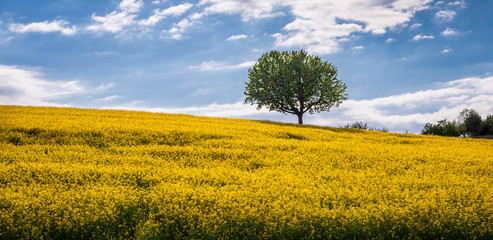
x,y
294,82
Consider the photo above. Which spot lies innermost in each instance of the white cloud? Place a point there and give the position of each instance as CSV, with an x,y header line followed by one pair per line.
x,y
317,24
358,48
407,111
254,9
8,39
115,21
217,66
109,98
22,86
236,37
176,32
416,25
422,37
104,86
390,40
445,15
44,27
446,50
26,87
195,16
460,3
237,109
131,6
126,16
161,14
177,10
449,32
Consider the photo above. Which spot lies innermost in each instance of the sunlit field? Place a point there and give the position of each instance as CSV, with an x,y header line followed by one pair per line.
x,y
93,174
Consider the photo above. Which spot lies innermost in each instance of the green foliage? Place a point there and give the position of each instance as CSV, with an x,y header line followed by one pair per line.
x,y
472,121
294,82
442,128
364,126
469,124
358,125
487,126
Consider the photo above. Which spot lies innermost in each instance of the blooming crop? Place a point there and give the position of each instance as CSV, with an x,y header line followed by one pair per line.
x,y
93,174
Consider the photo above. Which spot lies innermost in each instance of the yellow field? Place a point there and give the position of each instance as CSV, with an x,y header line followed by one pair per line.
x,y
82,174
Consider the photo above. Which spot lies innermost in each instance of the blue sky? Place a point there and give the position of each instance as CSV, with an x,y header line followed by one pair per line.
x,y
405,62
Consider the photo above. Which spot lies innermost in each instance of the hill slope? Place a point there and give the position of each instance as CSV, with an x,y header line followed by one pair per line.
x,y
81,174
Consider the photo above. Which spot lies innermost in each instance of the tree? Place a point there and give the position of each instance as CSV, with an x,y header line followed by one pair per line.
x,y
487,126
472,121
364,126
469,124
442,128
294,82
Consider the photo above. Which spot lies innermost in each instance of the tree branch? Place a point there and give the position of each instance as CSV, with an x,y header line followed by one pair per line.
x,y
313,104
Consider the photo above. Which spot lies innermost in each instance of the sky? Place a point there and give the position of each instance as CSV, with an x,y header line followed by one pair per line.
x,y
405,62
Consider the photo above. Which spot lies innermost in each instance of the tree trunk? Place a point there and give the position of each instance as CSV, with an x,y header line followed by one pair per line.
x,y
300,118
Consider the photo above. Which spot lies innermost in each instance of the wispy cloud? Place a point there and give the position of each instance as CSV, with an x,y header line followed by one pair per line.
x,y
115,21
390,40
19,86
255,9
460,3
416,25
44,27
109,98
236,37
445,15
446,50
237,109
161,14
216,66
26,87
176,32
126,18
449,32
316,25
422,37
131,5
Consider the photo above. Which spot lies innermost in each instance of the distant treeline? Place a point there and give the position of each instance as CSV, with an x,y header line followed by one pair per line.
x,y
468,124
364,125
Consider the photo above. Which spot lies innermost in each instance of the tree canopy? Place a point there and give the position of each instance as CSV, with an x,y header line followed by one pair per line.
x,y
469,124
294,82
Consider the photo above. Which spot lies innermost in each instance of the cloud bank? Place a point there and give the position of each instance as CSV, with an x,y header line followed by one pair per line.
x,y
399,113
408,111
318,26
27,87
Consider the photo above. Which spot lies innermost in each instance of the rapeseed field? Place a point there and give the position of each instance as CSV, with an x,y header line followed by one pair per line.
x,y
92,174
